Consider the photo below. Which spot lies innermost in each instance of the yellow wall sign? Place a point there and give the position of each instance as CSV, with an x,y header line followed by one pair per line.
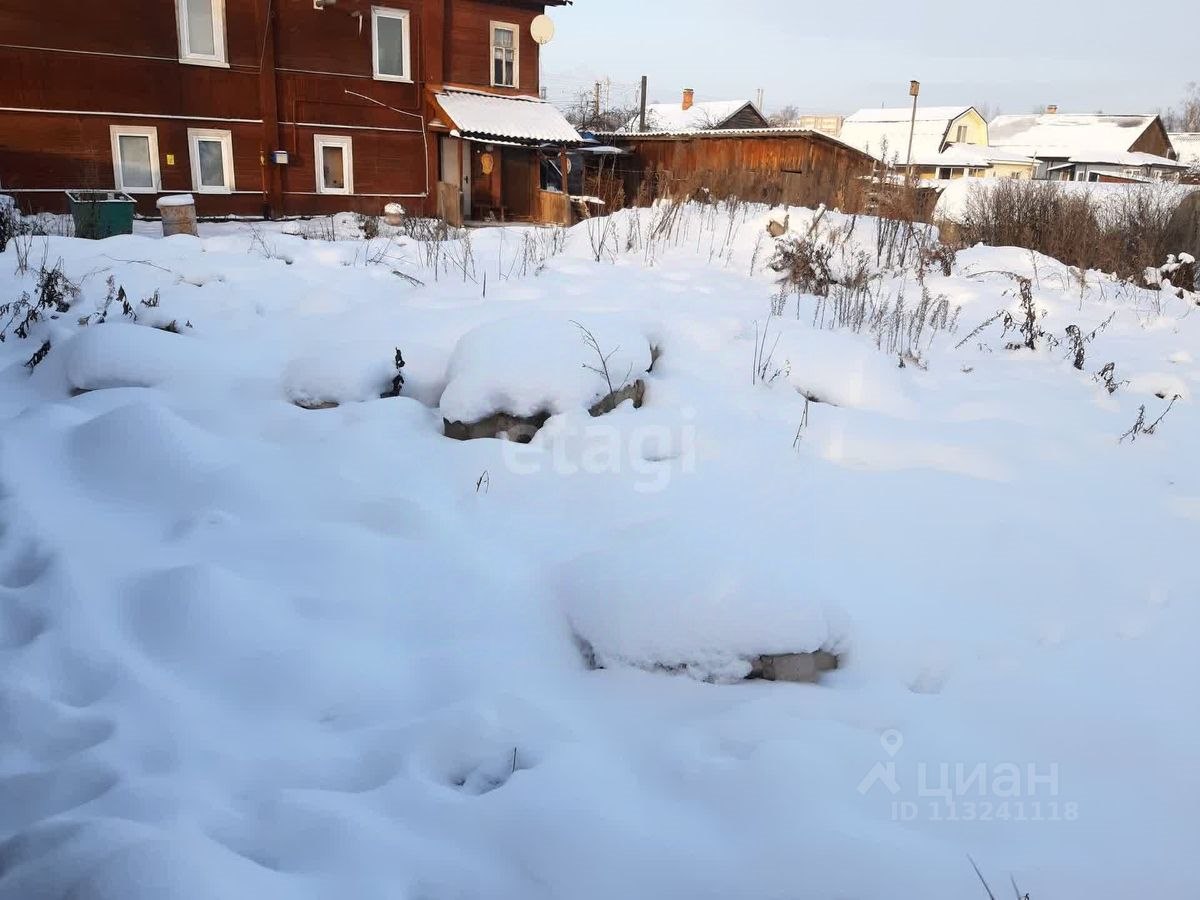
x,y
487,163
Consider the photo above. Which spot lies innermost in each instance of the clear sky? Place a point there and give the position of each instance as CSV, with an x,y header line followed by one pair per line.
x,y
837,56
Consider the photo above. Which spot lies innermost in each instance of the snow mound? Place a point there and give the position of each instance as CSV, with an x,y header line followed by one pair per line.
x,y
120,355
532,364
715,607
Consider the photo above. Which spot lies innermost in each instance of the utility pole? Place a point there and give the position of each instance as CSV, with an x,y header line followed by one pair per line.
x,y
642,107
914,88
596,104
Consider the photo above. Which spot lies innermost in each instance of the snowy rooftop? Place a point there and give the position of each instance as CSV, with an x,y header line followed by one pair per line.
x,y
520,118
1067,135
1127,159
672,117
887,129
1187,145
970,155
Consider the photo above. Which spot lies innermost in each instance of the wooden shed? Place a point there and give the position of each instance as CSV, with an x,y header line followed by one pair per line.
x,y
778,165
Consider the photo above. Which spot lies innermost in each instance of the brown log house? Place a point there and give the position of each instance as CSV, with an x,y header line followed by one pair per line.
x,y
280,107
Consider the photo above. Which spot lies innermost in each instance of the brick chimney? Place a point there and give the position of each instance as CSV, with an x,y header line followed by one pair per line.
x,y
689,97
1052,109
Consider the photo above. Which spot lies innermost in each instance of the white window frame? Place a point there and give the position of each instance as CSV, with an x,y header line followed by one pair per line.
x,y
334,140
116,132
220,58
516,48
225,138
387,12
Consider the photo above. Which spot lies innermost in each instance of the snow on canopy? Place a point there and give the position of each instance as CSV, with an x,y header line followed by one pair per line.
x,y
1068,135
671,117
871,129
522,118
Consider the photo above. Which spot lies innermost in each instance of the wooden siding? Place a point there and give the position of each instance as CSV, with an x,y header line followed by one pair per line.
x,y
746,117
816,168
69,70
1154,140
468,29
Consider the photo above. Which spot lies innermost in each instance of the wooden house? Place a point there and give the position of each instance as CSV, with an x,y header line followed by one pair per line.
x,y
278,107
688,115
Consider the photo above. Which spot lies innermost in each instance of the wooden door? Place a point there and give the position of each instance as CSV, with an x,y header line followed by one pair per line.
x,y
517,182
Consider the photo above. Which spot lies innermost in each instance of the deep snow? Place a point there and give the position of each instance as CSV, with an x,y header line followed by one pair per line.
x,y
255,650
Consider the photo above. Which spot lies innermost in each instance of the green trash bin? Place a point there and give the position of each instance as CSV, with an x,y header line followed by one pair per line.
x,y
101,214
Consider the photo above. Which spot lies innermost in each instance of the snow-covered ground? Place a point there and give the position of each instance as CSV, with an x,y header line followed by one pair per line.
x,y
250,649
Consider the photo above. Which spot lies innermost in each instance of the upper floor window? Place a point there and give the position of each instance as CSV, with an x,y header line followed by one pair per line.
x,y
389,31
504,54
960,134
201,32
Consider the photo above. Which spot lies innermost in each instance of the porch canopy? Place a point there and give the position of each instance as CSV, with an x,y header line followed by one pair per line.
x,y
519,121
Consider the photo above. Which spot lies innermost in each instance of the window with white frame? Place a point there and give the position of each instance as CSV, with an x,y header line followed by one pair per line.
x,y
960,134
335,164
505,51
390,44
212,160
135,159
201,32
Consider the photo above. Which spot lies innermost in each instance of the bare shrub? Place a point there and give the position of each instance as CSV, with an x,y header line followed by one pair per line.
x,y
1124,234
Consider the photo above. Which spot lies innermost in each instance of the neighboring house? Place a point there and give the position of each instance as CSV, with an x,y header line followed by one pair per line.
x,y
1098,166
277,107
884,132
1187,147
687,115
973,161
826,124
1089,147
947,142
830,125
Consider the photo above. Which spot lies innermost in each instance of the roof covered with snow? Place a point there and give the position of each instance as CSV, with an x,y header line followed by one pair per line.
x,y
972,155
1187,145
672,117
1061,135
1136,160
884,131
475,113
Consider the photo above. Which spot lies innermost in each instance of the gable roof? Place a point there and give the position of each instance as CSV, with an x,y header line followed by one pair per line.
x,y
1063,135
872,129
673,117
526,119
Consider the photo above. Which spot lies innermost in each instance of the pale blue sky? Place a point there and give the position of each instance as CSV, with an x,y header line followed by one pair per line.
x,y
840,56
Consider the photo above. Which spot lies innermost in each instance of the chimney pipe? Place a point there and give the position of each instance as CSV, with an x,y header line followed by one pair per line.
x,y
688,97
1052,109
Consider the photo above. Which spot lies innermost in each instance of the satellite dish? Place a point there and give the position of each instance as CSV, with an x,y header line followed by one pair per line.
x,y
542,29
